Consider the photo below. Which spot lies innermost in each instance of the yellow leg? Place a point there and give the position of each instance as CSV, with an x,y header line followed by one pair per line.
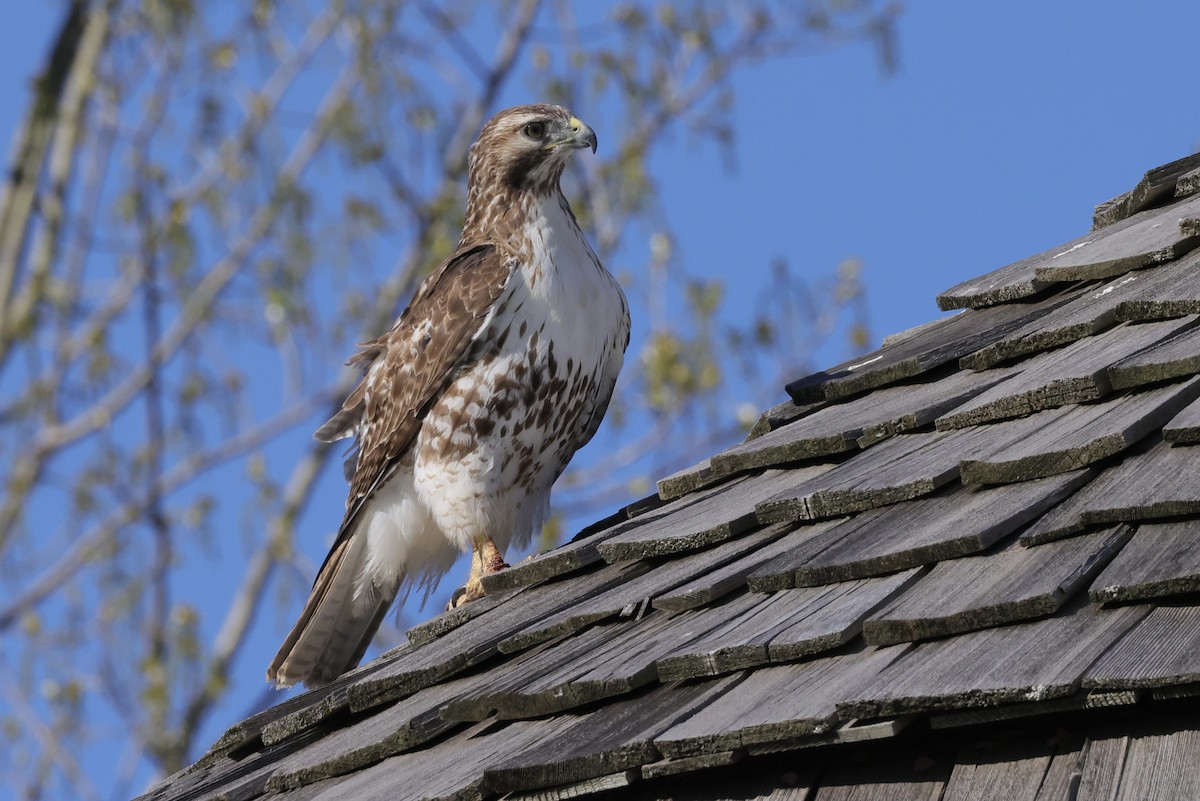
x,y
491,558
485,559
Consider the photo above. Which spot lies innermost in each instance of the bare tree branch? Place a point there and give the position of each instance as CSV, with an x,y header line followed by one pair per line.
x,y
17,202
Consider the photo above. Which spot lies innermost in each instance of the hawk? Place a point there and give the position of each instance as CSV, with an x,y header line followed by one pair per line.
x,y
472,404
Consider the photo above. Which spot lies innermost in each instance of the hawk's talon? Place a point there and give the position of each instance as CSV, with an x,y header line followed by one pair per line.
x,y
471,591
453,603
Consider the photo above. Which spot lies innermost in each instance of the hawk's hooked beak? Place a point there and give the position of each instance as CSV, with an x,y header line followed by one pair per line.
x,y
577,135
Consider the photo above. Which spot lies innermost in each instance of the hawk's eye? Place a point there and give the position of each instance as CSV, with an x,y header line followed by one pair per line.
x,y
535,130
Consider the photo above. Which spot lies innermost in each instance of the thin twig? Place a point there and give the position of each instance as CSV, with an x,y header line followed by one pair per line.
x,y
84,549
263,105
207,290
51,743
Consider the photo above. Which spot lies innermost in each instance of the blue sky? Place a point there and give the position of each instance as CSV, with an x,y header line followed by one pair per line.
x,y
1004,125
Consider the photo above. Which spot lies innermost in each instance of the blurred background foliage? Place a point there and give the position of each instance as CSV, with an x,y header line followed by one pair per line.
x,y
207,205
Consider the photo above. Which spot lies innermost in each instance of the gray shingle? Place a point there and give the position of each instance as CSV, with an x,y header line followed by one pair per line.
x,y
755,629
721,581
955,523
1142,765
1176,357
721,513
1078,373
1166,292
774,703
979,592
858,423
642,584
1091,311
601,662
1159,184
1155,481
1163,649
1184,428
900,469
1147,238
615,737
923,352
1065,439
1022,662
396,729
1162,560
1012,771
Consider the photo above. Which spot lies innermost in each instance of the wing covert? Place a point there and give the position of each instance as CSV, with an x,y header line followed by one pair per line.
x,y
411,365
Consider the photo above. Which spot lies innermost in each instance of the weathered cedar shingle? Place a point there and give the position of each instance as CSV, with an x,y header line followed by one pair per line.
x,y
1064,520
1091,311
1153,482
1022,662
1157,185
862,422
1136,762
724,513
1177,356
993,770
1162,650
756,629
602,662
689,479
906,774
1148,238
902,468
1065,439
1188,183
956,523
1077,373
721,581
395,729
453,618
1184,428
614,737
774,703
1163,559
452,769
1013,282
980,592
925,351
478,639
627,596
1171,290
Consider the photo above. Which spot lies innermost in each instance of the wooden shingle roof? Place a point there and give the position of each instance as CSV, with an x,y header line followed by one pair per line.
x,y
964,566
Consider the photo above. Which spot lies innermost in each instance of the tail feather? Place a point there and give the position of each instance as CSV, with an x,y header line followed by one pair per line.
x,y
333,631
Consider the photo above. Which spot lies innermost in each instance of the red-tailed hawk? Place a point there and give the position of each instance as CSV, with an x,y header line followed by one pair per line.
x,y
472,404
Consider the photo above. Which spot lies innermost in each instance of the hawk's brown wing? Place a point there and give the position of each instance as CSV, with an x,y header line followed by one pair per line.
x,y
408,368
411,365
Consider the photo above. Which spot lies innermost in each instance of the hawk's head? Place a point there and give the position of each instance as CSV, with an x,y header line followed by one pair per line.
x,y
525,148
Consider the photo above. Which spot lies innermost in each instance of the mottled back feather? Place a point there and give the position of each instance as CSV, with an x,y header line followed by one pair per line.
x,y
412,363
